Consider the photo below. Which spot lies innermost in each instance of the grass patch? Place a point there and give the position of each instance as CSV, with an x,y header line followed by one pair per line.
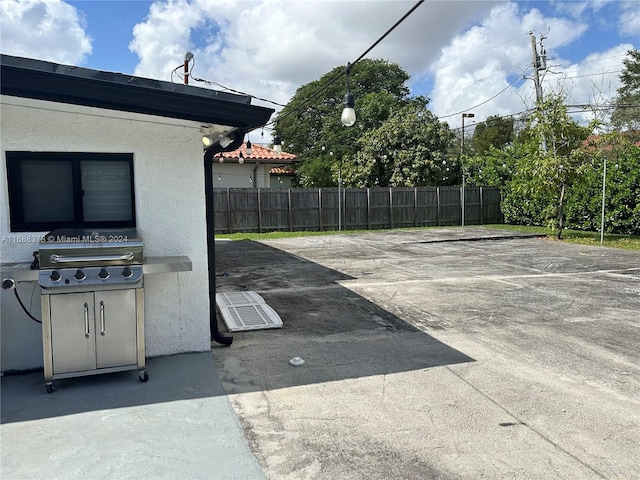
x,y
628,242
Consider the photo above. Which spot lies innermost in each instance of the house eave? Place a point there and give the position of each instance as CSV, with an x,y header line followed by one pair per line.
x,y
36,79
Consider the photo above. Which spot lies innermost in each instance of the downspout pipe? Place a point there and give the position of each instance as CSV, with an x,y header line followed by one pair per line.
x,y
209,153
255,177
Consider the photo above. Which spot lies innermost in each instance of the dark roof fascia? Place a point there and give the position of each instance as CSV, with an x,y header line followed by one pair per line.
x,y
37,79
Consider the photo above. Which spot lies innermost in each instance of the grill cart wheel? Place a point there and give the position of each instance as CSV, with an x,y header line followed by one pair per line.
x,y
51,387
143,376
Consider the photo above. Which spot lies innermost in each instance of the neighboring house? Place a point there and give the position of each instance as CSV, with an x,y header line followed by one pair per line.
x,y
238,169
61,125
281,177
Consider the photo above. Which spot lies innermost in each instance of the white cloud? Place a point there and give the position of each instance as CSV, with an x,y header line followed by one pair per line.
x,y
483,61
593,81
43,29
630,19
271,47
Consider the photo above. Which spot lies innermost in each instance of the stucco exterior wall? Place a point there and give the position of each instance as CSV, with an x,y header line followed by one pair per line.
x,y
170,211
234,175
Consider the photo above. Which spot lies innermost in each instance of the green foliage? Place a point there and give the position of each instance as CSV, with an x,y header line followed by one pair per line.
x,y
311,120
622,190
409,149
495,132
626,115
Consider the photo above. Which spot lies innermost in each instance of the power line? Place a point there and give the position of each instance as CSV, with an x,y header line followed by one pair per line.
x,y
487,100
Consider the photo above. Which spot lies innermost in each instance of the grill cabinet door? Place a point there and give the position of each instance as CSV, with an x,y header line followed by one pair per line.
x,y
116,340
73,332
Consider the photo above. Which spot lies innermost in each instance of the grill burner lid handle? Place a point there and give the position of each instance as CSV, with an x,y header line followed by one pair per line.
x,y
55,258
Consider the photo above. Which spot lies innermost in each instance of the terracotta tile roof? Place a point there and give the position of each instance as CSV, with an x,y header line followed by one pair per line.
x,y
592,139
282,171
260,153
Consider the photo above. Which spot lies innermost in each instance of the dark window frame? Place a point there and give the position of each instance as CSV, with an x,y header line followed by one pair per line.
x,y
16,196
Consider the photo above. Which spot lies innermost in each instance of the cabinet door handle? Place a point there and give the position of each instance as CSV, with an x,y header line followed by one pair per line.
x,y
86,320
102,332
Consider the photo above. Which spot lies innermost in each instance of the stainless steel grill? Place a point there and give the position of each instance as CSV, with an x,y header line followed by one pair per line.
x,y
92,303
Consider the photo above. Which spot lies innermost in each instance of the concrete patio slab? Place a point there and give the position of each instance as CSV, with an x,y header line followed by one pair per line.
x,y
438,354
178,425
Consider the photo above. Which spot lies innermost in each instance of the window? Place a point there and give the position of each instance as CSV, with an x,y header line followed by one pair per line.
x,y
66,190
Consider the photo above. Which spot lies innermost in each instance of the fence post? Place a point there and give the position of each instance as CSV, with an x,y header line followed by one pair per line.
x,y
229,208
481,206
290,212
259,213
390,207
415,206
320,209
368,208
438,213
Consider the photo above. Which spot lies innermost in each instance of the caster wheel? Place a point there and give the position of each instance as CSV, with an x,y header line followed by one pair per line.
x,y
50,387
143,377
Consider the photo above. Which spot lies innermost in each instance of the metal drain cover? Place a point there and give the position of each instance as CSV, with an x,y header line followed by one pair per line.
x,y
246,311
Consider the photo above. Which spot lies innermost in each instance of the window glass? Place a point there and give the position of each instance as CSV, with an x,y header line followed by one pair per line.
x,y
106,190
47,191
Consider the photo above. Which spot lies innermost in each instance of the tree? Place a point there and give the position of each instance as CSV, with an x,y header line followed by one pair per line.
x,y
626,115
311,119
495,131
544,176
409,149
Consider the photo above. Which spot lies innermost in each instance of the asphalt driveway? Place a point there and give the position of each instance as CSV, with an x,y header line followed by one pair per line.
x,y
437,353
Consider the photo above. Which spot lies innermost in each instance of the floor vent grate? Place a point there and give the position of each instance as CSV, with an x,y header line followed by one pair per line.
x,y
246,311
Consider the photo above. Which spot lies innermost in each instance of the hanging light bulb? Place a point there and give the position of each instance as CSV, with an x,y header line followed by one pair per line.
x,y
348,117
206,141
248,147
240,158
277,145
221,158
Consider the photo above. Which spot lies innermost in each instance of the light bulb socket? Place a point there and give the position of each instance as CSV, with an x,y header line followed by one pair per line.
x,y
277,145
240,158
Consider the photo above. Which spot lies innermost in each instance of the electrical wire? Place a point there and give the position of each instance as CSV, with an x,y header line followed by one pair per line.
x,y
486,101
350,65
15,291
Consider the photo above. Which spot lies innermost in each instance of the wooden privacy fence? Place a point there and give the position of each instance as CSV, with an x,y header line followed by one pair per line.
x,y
316,209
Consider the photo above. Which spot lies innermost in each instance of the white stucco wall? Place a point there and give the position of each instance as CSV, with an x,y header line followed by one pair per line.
x,y
170,210
234,175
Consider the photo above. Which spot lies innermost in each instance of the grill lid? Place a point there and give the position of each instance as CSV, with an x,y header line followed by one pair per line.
x,y
66,248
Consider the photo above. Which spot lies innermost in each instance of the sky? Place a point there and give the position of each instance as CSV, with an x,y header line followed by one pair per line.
x,y
465,56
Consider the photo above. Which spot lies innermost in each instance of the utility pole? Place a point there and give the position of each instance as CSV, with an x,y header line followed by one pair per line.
x,y
539,63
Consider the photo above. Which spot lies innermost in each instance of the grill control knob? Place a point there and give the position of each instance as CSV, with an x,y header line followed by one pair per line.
x,y
127,273
55,276
79,275
103,275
